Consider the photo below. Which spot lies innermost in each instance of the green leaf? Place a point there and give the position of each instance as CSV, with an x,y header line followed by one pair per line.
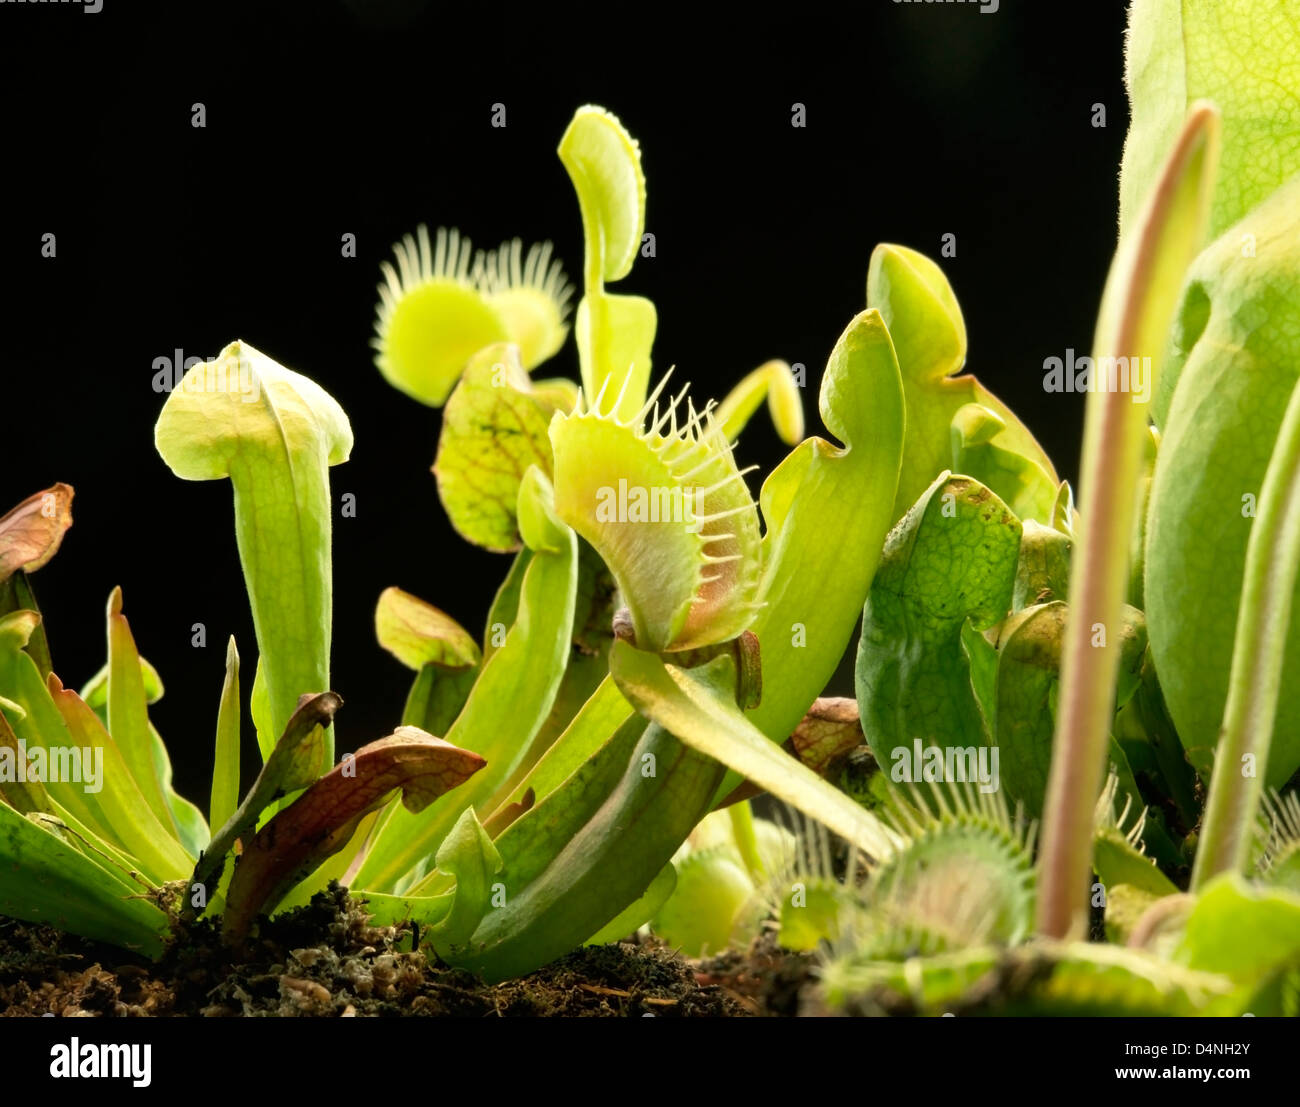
x,y
774,381
94,783
24,796
640,911
604,163
32,715
919,308
505,604
669,512
492,431
1118,862
819,559
1245,932
604,712
1245,58
95,690
467,854
225,759
1028,675
418,634
387,910
1043,568
698,707
951,559
614,333
58,885
1236,356
274,433
614,336
1029,657
592,847
152,841
128,715
16,595
1019,481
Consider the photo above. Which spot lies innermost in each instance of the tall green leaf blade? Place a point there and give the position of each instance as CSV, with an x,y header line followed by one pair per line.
x,y
819,559
152,843
614,333
1137,307
225,772
128,712
40,725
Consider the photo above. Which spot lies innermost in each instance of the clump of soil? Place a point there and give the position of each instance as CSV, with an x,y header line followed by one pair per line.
x,y
327,960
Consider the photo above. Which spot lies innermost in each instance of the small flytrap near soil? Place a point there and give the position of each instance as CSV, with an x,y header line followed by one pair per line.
x,y
1064,786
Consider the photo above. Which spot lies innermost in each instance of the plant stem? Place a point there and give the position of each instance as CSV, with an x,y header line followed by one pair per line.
x,y
742,829
1142,292
1263,621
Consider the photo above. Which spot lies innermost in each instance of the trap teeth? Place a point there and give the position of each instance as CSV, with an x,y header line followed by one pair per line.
x,y
663,503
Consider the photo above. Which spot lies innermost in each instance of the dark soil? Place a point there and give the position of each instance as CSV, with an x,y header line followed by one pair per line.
x,y
326,960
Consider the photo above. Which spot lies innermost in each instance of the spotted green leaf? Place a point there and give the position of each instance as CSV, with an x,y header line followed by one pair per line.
x,y
492,431
1245,58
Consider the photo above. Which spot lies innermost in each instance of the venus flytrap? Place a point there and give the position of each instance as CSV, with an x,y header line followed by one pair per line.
x,y
692,576
659,638
443,304
614,333
610,845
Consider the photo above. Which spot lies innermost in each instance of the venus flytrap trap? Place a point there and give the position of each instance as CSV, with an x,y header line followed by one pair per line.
x,y
444,303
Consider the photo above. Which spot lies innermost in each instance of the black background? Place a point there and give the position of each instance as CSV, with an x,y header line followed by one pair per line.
x,y
367,117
